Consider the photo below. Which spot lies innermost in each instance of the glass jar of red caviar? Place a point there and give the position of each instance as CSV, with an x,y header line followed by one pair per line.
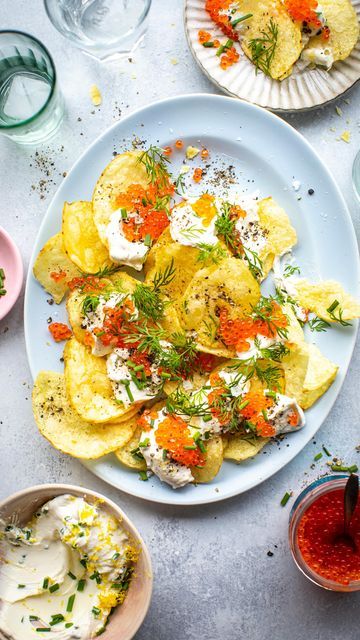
x,y
315,528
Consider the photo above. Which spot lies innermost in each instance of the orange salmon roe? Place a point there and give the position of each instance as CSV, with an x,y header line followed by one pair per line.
x,y
144,421
167,151
257,402
197,175
204,36
214,7
217,406
236,333
205,362
179,144
87,284
58,275
204,207
60,331
304,11
204,154
173,435
153,221
88,339
293,419
140,358
229,58
115,329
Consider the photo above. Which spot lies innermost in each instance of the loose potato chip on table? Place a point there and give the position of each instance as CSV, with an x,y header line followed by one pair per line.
x,y
122,172
59,423
81,239
53,269
88,387
228,285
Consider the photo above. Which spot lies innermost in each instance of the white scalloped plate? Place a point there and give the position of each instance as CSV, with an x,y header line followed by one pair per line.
x,y
265,152
302,90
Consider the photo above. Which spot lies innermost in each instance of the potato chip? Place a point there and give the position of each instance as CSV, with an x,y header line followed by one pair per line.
x,y
89,388
228,285
295,366
281,235
213,461
185,260
342,21
295,332
81,239
125,456
53,269
64,428
238,449
271,21
320,374
319,297
123,171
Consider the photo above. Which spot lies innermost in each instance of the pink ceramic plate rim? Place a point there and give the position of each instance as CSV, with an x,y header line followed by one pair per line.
x,y
14,273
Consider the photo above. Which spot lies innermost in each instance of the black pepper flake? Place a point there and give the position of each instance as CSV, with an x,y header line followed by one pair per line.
x,y
49,320
270,554
311,192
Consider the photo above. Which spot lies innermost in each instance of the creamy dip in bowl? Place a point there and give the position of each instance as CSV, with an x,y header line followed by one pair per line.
x,y
72,566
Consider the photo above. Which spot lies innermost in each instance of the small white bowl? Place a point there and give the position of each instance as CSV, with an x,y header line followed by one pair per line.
x,y
128,617
11,262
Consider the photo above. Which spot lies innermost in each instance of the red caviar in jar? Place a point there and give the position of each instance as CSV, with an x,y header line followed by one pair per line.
x,y
173,435
318,539
60,331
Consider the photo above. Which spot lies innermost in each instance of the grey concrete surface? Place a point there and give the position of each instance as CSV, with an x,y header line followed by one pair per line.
x,y
213,577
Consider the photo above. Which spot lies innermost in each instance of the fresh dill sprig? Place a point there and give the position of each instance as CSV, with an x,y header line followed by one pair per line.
x,y
318,324
180,403
264,310
267,373
275,352
225,226
210,252
104,272
156,165
290,270
90,303
180,184
192,232
148,299
335,308
263,48
254,263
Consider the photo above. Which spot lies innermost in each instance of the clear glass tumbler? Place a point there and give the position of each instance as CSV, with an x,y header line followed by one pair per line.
x,y
104,29
31,105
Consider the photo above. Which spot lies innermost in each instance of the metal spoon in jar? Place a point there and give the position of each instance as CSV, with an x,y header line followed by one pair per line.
x,y
351,495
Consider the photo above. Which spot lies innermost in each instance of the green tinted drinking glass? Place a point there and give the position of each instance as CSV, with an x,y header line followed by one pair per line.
x,y
31,105
356,175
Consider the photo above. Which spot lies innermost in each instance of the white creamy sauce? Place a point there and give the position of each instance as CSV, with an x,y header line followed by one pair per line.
x,y
234,12
251,233
122,251
125,389
288,290
42,581
175,474
187,228
262,342
321,56
279,414
95,319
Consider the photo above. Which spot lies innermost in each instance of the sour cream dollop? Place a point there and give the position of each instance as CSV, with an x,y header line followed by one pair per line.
x,y
122,251
58,572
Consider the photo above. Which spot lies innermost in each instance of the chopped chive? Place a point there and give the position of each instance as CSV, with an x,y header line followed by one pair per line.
x,y
318,456
33,618
238,20
143,476
54,587
116,556
83,562
21,586
56,618
243,405
139,367
285,499
71,575
333,306
208,45
70,603
165,375
144,201
95,611
2,274
220,50
152,422
126,384
271,394
123,214
68,625
46,583
144,443
196,436
193,447
340,467
81,585
43,629
148,240
116,585
228,44
96,576
264,413
164,454
201,446
207,418
326,451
